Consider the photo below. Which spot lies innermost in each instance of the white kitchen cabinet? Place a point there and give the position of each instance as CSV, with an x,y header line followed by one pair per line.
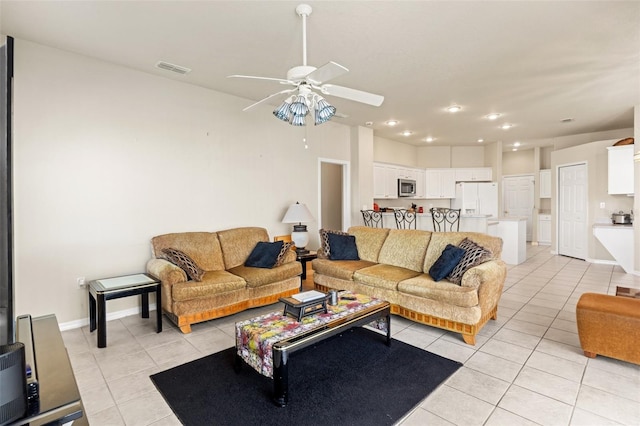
x,y
384,181
440,183
545,183
420,176
621,169
474,174
544,229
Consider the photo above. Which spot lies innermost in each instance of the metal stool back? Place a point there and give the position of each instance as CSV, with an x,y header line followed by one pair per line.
x,y
405,219
372,218
445,219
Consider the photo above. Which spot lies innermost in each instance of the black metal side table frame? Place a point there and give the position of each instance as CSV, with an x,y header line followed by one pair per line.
x,y
304,258
99,294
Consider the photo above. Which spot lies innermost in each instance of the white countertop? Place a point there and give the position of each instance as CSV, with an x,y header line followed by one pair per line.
x,y
511,219
612,226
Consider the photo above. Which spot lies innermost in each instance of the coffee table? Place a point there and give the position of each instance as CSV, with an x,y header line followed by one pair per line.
x,y
266,342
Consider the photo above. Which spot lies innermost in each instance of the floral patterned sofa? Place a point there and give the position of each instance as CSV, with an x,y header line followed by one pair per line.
x,y
394,265
212,280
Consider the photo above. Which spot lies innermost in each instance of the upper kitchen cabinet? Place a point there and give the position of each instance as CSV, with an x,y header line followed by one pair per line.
x,y
440,183
545,183
420,184
385,180
476,174
621,169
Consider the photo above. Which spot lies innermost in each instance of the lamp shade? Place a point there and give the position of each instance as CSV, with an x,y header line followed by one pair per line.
x,y
297,213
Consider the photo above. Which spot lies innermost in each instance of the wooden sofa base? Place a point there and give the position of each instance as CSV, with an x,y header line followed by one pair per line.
x,y
468,331
184,321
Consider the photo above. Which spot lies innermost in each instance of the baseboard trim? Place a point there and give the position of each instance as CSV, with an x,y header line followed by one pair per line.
x,y
110,316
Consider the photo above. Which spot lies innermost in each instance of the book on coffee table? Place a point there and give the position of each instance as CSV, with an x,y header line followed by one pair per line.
x,y
308,296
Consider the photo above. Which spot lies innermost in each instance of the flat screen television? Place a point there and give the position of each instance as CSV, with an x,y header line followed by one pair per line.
x,y
7,316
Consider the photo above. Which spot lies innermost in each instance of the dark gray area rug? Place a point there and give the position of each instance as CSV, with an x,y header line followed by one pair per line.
x,y
350,379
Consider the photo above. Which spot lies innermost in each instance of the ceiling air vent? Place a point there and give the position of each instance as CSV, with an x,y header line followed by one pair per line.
x,y
172,67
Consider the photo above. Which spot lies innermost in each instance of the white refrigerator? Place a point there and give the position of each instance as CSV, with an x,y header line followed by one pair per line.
x,y
476,198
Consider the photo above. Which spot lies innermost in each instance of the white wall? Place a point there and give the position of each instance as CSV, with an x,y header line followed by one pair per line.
x,y
389,151
106,157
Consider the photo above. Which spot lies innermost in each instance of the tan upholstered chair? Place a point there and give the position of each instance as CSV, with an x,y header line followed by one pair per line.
x,y
610,326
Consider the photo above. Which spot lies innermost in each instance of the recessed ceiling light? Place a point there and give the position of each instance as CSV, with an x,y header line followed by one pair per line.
x,y
369,123
514,149
493,116
516,144
480,140
407,133
506,126
392,123
454,108
429,139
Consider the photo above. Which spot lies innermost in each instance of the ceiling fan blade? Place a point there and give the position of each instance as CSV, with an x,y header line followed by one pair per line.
x,y
281,80
327,72
352,94
268,97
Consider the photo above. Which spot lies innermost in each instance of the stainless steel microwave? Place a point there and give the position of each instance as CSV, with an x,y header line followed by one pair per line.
x,y
406,188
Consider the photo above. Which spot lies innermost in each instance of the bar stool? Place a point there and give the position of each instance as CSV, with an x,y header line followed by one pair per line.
x,y
445,219
405,219
372,218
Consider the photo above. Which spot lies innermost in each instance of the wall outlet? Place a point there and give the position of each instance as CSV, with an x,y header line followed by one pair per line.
x,y
602,205
81,281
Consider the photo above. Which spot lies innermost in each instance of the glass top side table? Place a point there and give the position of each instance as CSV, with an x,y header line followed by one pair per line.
x,y
114,288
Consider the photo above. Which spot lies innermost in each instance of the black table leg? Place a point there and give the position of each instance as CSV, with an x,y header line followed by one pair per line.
x,y
145,304
304,269
102,321
280,378
92,312
159,308
388,318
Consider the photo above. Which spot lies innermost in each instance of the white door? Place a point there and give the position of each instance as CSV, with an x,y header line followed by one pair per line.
x,y
517,199
572,211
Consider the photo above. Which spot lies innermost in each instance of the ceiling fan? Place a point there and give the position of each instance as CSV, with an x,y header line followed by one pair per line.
x,y
305,79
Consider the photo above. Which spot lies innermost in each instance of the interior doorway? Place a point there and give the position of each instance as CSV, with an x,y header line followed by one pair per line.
x,y
518,199
333,193
572,211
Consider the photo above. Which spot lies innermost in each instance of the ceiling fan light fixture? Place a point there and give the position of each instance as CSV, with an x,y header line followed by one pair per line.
x,y
283,112
299,106
323,111
297,120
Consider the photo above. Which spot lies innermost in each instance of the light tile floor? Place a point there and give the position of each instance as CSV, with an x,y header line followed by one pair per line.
x,y
526,368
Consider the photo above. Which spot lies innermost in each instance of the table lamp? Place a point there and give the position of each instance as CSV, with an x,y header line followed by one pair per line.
x,y
298,213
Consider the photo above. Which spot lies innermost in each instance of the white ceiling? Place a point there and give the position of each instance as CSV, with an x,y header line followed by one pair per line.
x,y
536,62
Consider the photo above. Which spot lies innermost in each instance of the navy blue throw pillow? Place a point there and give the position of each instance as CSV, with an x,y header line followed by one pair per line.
x,y
264,255
450,257
343,247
